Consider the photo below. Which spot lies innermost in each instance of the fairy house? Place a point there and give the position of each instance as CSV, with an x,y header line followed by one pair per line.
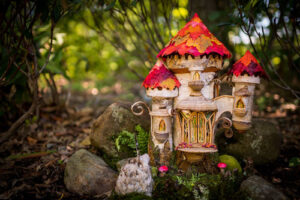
x,y
185,91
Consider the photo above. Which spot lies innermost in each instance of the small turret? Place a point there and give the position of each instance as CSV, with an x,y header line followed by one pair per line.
x,y
162,86
246,74
160,82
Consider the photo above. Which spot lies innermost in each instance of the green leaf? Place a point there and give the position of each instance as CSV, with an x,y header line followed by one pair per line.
x,y
133,3
110,6
294,162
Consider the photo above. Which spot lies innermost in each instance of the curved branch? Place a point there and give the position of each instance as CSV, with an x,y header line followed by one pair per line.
x,y
226,124
139,106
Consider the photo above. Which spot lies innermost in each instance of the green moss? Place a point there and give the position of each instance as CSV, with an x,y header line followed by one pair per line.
x,y
231,163
166,188
154,171
111,161
131,196
211,186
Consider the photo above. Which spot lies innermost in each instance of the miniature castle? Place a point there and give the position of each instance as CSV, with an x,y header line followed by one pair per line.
x,y
185,91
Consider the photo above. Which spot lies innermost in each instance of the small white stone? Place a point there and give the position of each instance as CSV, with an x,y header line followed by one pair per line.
x,y
135,176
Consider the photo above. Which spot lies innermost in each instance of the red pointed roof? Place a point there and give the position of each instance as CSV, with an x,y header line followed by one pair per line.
x,y
160,76
194,39
249,65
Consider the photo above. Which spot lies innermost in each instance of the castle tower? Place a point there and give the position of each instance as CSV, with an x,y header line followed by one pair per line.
x,y
194,55
162,86
246,74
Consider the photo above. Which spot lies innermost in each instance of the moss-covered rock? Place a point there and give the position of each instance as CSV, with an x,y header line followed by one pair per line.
x,y
106,128
261,143
231,163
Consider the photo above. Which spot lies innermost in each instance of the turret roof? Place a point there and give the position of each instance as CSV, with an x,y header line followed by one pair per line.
x,y
249,65
194,39
161,77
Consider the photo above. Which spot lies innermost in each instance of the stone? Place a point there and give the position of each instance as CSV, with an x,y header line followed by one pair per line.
x,y
261,143
106,128
259,189
88,174
122,162
231,163
135,176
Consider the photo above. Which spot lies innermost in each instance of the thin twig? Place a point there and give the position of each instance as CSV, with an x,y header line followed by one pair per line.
x,y
50,48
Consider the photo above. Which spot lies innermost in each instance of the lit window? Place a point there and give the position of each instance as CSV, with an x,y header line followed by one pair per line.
x,y
196,76
162,125
240,104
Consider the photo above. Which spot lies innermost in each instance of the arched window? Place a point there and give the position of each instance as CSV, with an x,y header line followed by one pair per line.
x,y
162,125
240,104
197,128
196,76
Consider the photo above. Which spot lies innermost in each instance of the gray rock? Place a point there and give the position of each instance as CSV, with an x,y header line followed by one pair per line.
x,y
88,174
259,189
122,162
135,176
106,128
261,143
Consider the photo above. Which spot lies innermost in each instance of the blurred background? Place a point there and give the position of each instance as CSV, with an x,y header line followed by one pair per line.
x,y
56,51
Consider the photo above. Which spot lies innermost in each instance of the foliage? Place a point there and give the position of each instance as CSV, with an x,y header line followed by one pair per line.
x,y
127,139
167,188
189,182
272,29
142,138
207,186
26,41
294,162
146,26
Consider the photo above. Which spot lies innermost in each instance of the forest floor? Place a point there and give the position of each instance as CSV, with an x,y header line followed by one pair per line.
x,y
33,161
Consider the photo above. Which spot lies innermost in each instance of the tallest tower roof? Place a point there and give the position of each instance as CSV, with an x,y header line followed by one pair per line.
x,y
194,39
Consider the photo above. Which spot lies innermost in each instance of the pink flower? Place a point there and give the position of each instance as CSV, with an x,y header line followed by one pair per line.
x,y
222,165
163,168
